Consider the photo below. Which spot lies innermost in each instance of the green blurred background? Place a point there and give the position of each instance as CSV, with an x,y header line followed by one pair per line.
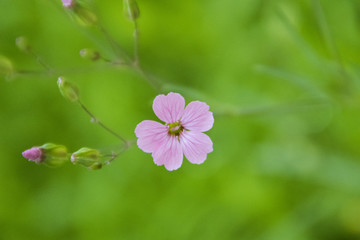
x,y
282,78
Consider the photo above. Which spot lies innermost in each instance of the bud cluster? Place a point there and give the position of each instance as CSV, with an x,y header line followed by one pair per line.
x,y
54,155
50,154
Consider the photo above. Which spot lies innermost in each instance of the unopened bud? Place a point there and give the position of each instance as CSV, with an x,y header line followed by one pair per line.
x,y
131,9
34,154
68,90
55,155
89,54
68,3
87,157
50,154
23,44
6,66
84,16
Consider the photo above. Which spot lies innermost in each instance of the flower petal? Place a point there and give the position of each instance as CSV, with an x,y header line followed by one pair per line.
x,y
196,146
151,135
169,108
169,154
197,117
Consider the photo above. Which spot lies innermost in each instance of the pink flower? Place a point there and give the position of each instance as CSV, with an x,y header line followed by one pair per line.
x,y
68,3
33,154
182,133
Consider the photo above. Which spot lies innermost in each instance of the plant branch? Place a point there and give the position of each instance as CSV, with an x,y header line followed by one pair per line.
x,y
40,61
95,120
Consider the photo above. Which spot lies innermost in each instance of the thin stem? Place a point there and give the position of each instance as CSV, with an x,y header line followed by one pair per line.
x,y
329,38
289,107
299,81
31,72
40,61
77,70
136,44
115,155
305,48
105,59
94,119
155,84
136,63
113,44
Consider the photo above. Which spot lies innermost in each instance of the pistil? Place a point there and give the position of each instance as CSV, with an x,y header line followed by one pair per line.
x,y
175,128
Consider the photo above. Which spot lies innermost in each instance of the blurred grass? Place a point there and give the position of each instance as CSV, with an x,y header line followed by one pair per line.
x,y
286,136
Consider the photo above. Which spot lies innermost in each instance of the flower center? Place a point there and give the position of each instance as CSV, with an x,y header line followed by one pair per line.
x,y
175,128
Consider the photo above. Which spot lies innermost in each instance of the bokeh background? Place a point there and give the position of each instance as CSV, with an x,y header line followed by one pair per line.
x,y
282,78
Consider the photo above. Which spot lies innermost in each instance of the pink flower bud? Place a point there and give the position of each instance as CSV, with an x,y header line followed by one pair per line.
x,y
68,3
49,154
33,154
